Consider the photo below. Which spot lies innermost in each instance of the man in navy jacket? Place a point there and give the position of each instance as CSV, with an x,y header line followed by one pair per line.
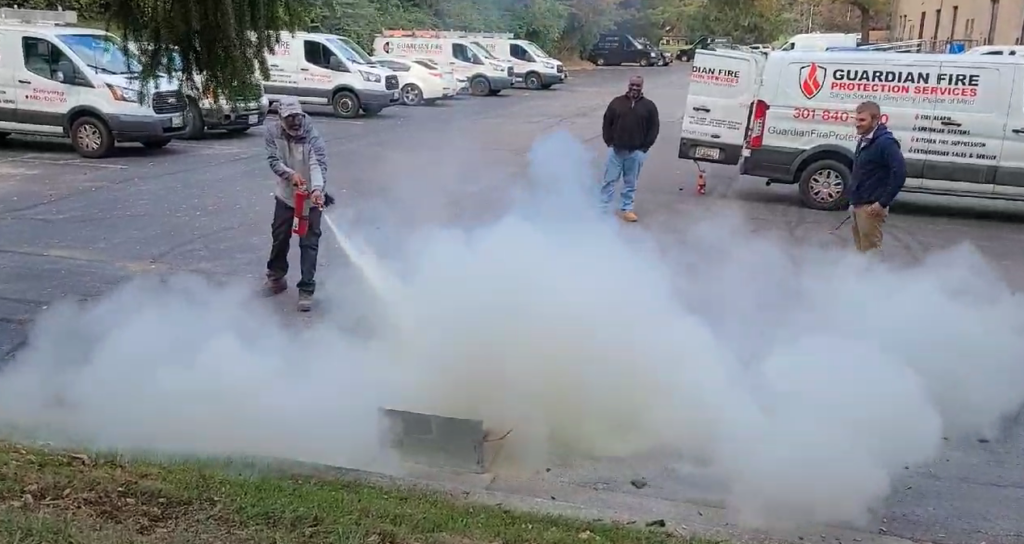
x,y
878,175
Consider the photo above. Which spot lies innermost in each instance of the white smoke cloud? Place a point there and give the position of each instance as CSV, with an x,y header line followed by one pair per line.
x,y
805,377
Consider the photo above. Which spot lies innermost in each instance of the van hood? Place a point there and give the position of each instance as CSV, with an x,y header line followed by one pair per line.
x,y
130,81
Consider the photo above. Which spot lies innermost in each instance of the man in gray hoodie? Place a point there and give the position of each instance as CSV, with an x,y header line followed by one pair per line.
x,y
298,157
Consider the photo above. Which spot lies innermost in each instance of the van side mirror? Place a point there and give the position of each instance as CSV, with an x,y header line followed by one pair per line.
x,y
336,65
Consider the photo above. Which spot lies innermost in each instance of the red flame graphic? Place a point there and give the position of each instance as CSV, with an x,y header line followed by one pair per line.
x,y
810,84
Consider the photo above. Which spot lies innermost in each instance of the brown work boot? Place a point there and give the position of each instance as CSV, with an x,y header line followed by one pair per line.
x,y
305,301
628,216
273,287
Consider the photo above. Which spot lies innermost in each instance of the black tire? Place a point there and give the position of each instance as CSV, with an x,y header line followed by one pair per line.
x,y
546,86
412,95
644,61
600,61
345,104
91,137
195,126
533,81
817,185
237,130
480,86
494,92
156,144
370,112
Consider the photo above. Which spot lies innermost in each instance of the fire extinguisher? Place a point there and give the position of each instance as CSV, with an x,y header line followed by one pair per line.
x,y
300,222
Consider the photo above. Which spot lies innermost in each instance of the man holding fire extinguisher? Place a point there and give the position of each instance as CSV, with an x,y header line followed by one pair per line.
x,y
298,157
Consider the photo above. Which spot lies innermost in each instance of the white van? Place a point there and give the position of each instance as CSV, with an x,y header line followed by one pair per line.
x,y
818,41
323,69
58,80
532,66
486,75
959,119
1009,50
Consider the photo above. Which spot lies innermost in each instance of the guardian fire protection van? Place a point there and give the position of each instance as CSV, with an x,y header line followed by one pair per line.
x,y
533,67
790,117
487,75
818,41
322,69
58,80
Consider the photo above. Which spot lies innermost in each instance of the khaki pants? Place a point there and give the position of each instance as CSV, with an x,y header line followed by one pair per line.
x,y
867,228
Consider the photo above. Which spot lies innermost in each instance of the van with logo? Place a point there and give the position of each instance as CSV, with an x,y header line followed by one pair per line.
x,y
487,75
532,66
819,41
322,69
790,118
60,80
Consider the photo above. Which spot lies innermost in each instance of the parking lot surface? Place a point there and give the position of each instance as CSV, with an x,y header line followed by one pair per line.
x,y
71,227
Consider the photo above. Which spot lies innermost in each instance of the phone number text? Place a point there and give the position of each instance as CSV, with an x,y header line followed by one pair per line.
x,y
829,116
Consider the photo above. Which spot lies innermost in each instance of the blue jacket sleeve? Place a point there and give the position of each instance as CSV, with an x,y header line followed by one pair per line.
x,y
897,171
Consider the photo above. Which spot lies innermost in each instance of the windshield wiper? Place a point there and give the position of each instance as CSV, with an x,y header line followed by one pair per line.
x,y
102,69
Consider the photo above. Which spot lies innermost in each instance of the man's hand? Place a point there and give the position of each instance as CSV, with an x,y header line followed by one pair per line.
x,y
876,210
298,181
317,198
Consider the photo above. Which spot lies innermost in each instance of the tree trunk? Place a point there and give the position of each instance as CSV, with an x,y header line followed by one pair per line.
x,y
865,24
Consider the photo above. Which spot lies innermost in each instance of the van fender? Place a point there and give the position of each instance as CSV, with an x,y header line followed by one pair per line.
x,y
816,150
343,87
74,113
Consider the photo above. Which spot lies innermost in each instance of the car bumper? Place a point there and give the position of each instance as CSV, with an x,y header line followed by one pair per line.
x,y
219,118
379,99
144,128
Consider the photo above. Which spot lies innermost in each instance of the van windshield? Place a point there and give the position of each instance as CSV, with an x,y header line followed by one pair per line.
x,y
357,55
101,52
536,50
487,54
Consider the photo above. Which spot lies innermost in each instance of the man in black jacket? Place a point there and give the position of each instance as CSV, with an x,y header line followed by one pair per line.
x,y
879,173
630,129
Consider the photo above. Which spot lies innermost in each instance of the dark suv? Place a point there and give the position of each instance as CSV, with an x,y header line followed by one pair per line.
x,y
615,49
704,42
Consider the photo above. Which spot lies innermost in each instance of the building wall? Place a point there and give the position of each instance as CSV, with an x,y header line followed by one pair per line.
x,y
972,24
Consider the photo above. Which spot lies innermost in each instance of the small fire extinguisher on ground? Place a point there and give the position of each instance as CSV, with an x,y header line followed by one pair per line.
x,y
301,221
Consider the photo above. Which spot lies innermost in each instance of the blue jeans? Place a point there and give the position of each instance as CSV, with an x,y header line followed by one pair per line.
x,y
624,164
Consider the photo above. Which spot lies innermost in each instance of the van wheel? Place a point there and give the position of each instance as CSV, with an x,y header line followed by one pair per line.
x,y
494,92
533,81
480,86
91,138
600,61
412,95
345,104
194,124
156,144
370,112
824,185
645,61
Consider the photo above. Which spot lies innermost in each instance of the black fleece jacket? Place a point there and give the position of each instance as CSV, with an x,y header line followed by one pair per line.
x,y
631,125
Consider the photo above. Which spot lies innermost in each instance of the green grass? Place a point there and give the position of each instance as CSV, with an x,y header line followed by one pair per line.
x,y
52,497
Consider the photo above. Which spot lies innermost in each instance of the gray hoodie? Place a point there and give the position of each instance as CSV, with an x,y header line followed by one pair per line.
x,y
304,152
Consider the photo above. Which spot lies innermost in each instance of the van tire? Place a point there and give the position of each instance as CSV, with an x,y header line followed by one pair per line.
x,y
817,183
370,112
156,144
91,137
195,126
494,92
479,86
345,104
600,61
533,81
644,61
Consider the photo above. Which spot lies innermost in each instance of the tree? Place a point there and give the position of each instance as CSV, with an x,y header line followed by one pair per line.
x,y
868,8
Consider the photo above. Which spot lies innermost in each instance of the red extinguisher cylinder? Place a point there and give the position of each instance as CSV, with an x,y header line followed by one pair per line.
x,y
301,221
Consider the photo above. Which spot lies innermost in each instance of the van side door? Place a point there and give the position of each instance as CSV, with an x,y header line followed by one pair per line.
x,y
318,68
1009,179
971,103
283,70
45,94
8,89
722,88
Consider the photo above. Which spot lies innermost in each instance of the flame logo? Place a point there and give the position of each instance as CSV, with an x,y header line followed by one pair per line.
x,y
812,80
387,48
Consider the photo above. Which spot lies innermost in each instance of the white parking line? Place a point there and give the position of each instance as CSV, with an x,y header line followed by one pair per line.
x,y
223,148
65,162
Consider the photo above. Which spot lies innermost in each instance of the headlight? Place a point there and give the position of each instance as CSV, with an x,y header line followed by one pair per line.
x,y
549,65
653,54
497,67
370,76
123,94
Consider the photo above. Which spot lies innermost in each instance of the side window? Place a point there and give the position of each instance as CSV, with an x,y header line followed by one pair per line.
x,y
519,52
629,45
461,52
318,54
43,59
395,66
997,52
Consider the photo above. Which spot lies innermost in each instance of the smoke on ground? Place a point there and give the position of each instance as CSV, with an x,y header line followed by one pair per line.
x,y
804,377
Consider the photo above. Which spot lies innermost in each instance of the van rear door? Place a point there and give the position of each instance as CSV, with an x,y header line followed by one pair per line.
x,y
722,87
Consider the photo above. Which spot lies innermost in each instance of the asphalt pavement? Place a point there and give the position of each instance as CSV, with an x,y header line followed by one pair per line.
x,y
76,228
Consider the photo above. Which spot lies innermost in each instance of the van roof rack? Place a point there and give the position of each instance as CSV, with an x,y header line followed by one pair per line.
x,y
446,34
38,16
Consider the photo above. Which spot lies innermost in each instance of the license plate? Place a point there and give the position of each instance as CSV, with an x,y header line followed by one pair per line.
x,y
253,119
710,153
177,121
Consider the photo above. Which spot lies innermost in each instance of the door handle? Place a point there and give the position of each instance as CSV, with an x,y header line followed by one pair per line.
x,y
950,124
24,82
304,69
1018,131
702,109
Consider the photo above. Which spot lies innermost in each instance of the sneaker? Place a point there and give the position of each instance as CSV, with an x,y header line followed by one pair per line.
x,y
629,216
273,287
305,301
